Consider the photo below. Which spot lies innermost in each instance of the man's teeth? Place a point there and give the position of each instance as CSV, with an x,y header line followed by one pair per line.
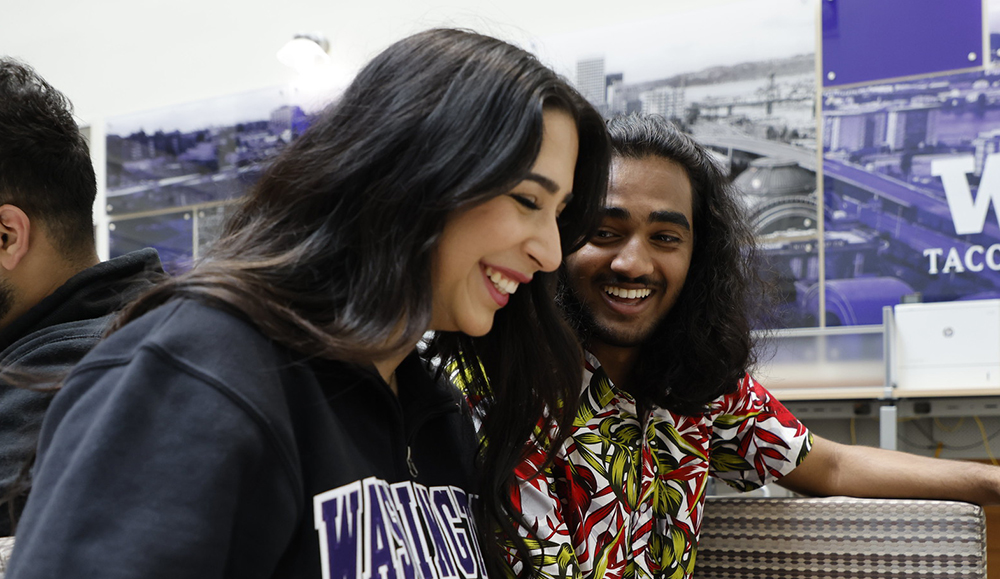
x,y
629,294
504,285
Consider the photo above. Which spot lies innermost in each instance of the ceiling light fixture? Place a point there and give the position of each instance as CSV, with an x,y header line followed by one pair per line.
x,y
305,52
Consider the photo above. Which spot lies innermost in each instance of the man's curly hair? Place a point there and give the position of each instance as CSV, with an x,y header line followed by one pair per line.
x,y
704,346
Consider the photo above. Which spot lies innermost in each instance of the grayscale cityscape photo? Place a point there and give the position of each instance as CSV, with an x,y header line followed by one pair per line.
x,y
748,92
171,173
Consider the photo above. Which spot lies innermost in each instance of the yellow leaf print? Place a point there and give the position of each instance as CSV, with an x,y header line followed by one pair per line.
x,y
601,558
676,563
726,460
567,564
731,420
620,472
669,431
589,438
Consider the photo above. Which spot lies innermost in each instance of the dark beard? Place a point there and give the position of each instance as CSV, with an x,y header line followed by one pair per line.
x,y
581,319
6,298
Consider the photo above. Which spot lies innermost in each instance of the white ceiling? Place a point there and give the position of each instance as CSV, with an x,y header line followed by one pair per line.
x,y
112,57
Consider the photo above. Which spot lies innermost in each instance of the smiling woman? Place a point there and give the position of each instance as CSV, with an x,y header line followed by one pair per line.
x,y
487,250
266,414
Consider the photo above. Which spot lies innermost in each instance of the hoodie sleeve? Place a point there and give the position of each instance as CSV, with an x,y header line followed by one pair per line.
x,y
32,368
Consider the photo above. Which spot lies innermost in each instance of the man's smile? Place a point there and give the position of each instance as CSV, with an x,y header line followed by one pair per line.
x,y
630,301
625,293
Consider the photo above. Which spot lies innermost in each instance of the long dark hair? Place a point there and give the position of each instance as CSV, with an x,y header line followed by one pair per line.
x,y
330,253
704,346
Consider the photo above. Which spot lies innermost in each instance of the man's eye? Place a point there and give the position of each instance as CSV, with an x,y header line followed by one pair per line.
x,y
603,234
525,201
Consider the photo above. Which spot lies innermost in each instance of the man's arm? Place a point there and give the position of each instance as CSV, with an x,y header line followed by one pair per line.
x,y
862,471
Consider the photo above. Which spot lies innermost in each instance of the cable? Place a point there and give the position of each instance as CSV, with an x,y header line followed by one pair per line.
x,y
986,441
937,422
934,442
930,437
854,434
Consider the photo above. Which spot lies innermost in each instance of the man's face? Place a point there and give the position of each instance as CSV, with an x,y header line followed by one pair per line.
x,y
630,273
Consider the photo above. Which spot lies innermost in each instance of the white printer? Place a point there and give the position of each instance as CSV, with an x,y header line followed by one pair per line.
x,y
947,345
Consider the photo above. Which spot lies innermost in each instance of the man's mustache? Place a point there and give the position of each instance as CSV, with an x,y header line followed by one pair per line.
x,y
645,280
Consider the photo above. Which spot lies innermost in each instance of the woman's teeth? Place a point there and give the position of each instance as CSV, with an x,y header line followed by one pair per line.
x,y
629,294
504,285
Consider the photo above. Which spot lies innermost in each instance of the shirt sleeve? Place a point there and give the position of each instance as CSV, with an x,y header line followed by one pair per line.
x,y
148,470
755,439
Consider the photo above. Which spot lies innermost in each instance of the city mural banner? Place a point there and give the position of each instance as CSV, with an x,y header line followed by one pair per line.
x,y
911,172
170,172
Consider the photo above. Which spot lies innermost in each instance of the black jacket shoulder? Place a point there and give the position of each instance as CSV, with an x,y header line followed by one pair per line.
x,y
206,449
38,349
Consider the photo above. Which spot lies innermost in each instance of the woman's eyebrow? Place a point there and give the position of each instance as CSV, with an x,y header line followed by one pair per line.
x,y
549,185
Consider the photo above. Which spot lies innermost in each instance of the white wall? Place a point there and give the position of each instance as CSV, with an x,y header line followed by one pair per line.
x,y
115,56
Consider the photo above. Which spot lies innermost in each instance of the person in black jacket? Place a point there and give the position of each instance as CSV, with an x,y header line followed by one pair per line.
x,y
56,300
266,414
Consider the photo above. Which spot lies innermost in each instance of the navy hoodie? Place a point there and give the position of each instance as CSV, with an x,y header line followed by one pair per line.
x,y
190,445
47,340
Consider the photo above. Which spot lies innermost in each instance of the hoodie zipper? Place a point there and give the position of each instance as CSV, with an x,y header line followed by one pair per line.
x,y
409,462
430,415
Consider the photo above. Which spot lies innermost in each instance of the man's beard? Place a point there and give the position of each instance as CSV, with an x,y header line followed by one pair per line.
x,y
6,298
588,329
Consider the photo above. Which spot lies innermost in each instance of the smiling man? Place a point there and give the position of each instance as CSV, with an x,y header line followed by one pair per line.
x,y
663,298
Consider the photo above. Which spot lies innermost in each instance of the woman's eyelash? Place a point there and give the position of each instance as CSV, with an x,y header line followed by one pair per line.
x,y
527,202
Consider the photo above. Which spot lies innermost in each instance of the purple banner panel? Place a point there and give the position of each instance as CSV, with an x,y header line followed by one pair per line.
x,y
911,191
993,18
865,40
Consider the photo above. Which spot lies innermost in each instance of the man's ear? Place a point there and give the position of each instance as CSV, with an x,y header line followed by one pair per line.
x,y
15,230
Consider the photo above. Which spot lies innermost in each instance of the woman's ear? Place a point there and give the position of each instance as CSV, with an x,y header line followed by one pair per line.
x,y
15,230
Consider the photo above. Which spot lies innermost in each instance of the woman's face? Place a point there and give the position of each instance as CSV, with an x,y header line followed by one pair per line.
x,y
487,250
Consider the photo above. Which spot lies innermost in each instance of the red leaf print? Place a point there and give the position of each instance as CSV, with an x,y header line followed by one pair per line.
x,y
770,438
759,465
598,516
744,445
771,453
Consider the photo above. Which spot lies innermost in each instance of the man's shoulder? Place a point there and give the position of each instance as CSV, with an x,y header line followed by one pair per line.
x,y
57,345
750,399
78,312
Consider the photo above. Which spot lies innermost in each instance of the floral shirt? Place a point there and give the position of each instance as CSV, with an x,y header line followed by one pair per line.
x,y
624,496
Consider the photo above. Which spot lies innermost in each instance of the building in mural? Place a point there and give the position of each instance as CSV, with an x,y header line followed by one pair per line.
x,y
170,173
591,81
